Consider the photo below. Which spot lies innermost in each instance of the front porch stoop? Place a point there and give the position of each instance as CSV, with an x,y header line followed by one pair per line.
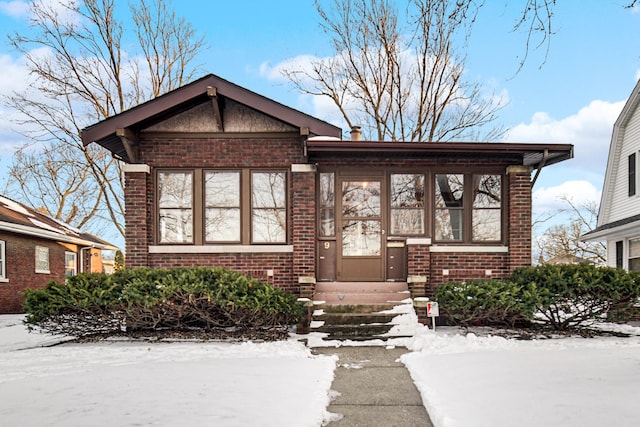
x,y
361,311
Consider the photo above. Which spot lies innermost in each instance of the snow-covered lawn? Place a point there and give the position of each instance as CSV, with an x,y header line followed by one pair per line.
x,y
160,384
466,380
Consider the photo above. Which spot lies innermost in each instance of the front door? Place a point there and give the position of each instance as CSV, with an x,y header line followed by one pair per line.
x,y
360,231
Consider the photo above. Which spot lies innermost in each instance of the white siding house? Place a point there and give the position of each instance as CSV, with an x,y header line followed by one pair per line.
x,y
619,215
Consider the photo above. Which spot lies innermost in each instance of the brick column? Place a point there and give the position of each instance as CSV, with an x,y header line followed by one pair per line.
x,y
136,226
303,218
519,179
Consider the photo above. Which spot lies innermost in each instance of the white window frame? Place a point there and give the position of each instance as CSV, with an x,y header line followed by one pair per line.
x,y
3,262
40,252
75,263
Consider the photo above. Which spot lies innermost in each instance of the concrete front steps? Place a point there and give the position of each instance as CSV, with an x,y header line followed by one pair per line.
x,y
361,311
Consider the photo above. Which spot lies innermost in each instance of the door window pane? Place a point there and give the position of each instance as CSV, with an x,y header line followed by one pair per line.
x,y
361,199
449,207
407,204
361,238
269,213
175,199
222,206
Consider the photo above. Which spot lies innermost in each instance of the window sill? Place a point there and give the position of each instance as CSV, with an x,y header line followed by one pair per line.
x,y
4,280
43,272
469,248
219,249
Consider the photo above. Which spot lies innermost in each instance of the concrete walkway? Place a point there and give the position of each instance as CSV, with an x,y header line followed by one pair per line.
x,y
375,389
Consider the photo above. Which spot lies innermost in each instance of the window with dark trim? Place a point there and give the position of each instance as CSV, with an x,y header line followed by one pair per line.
x,y
619,254
175,206
327,204
200,206
3,261
407,204
475,218
632,174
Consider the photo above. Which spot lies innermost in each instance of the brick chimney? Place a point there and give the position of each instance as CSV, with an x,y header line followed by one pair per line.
x,y
356,133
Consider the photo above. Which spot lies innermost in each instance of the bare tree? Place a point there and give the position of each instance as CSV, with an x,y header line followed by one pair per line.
x,y
563,240
400,76
81,72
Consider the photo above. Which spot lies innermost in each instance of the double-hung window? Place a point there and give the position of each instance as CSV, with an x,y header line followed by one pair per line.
x,y
70,264
407,204
219,206
175,205
468,207
634,254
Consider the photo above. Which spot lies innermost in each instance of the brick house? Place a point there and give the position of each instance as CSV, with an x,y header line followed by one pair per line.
x,y
36,249
218,175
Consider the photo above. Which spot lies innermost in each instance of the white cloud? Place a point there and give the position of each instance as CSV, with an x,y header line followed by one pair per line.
x,y
589,130
551,199
15,9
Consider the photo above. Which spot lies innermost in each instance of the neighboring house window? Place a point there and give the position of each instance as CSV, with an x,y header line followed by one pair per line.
x,y
42,259
407,204
222,206
70,263
632,174
175,205
634,254
475,218
619,254
3,261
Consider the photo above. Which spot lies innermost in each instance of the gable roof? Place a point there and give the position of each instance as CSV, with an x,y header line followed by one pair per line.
x,y
110,132
20,219
613,160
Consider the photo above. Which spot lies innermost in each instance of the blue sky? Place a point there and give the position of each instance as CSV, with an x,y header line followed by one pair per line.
x,y
573,96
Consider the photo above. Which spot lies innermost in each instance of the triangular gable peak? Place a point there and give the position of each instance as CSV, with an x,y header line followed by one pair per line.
x,y
208,105
615,161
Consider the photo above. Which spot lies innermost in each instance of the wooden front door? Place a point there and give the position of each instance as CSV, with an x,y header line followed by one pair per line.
x,y
360,230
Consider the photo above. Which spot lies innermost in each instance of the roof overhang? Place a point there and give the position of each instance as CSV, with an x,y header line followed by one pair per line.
x,y
118,133
51,235
623,228
534,155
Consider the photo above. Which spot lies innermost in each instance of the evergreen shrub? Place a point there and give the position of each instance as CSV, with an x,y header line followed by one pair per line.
x,y
150,300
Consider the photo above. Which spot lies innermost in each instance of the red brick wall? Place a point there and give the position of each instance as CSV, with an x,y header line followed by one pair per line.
x,y
519,178
303,230
21,267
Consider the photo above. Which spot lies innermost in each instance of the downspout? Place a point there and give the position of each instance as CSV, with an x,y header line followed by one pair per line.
x,y
545,157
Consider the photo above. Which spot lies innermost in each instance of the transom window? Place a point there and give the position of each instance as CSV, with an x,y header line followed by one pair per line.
x,y
236,206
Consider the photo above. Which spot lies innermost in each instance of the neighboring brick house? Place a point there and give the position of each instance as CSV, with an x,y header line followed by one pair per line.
x,y
218,175
35,249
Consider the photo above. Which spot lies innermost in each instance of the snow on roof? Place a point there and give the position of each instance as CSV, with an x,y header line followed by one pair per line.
x,y
14,206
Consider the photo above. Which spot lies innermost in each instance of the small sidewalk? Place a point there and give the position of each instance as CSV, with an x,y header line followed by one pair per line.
x,y
375,389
